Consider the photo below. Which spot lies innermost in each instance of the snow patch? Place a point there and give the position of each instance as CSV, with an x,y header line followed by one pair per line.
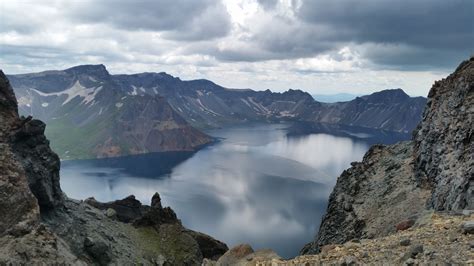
x,y
118,105
134,92
76,90
45,104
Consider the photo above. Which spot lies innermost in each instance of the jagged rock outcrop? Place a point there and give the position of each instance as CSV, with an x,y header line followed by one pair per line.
x,y
40,225
444,144
393,184
129,210
26,138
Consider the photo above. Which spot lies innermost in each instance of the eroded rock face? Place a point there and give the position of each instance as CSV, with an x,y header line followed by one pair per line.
x,y
444,140
18,207
25,139
41,164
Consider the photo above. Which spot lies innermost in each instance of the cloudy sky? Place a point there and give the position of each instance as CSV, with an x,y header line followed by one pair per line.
x,y
319,46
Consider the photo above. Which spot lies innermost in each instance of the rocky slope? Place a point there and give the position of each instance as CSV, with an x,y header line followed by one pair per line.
x,y
84,102
40,225
394,184
436,239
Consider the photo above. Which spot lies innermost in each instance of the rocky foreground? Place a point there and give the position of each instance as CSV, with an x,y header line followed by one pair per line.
x,y
435,239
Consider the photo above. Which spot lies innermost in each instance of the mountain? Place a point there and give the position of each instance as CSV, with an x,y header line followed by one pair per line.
x,y
40,225
84,97
395,186
206,104
89,117
333,98
391,110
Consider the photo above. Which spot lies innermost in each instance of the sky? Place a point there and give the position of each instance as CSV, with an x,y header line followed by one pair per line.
x,y
323,47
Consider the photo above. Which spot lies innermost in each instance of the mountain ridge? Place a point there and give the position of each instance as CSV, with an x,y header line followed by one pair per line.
x,y
204,104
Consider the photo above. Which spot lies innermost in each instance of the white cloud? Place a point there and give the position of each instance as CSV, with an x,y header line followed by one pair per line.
x,y
236,43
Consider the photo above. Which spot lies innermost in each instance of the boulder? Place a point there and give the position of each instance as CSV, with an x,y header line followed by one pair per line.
x,y
127,209
468,227
235,254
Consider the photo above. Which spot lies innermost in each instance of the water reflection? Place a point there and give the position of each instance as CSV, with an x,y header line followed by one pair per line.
x,y
256,186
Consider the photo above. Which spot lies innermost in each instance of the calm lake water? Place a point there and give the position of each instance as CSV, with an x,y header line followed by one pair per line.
x,y
257,185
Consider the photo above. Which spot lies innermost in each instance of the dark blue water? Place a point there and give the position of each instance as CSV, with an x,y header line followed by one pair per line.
x,y
258,185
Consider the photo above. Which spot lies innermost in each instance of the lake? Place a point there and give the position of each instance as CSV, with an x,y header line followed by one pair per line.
x,y
257,185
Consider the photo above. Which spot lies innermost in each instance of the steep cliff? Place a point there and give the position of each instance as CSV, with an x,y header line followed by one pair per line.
x,y
444,146
394,184
40,225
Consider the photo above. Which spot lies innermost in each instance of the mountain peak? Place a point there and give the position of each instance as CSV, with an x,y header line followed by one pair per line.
x,y
93,70
392,95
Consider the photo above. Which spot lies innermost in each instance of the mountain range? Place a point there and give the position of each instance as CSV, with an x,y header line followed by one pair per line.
x,y
155,112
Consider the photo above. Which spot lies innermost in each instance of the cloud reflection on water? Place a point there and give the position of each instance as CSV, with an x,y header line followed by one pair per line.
x,y
256,186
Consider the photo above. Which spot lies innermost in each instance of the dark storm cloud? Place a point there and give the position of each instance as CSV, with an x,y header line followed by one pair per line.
x,y
429,31
180,19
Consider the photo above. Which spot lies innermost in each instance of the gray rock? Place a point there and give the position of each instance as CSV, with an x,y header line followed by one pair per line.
x,y
405,242
468,227
415,250
235,254
98,249
111,213
410,261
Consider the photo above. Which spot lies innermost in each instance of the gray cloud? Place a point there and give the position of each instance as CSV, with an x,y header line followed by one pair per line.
x,y
180,19
430,32
279,43
268,4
